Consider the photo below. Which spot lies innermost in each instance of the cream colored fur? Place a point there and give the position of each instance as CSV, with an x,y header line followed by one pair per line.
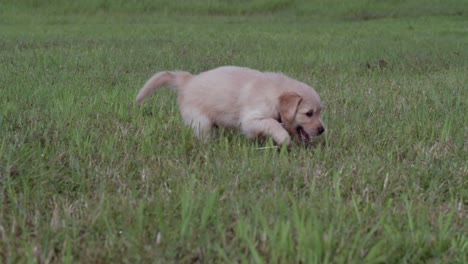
x,y
236,97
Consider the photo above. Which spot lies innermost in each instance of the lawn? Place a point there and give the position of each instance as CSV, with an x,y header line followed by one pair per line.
x,y
87,176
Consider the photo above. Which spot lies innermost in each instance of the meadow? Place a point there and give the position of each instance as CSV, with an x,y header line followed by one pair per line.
x,y
87,176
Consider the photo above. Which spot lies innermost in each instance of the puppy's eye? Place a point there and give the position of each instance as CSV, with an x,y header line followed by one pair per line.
x,y
310,113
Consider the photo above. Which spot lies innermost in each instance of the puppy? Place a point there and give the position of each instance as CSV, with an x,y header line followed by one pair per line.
x,y
261,104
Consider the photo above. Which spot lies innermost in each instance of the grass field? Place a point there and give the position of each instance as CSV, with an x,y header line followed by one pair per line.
x,y
87,176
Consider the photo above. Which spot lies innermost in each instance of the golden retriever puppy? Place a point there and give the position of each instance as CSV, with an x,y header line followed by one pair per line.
x,y
260,104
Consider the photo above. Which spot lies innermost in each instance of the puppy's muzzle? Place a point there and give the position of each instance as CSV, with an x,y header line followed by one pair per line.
x,y
320,130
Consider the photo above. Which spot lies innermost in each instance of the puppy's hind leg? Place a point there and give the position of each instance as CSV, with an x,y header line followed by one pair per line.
x,y
200,124
266,127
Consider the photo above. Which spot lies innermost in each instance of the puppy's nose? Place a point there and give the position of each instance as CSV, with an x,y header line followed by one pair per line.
x,y
320,130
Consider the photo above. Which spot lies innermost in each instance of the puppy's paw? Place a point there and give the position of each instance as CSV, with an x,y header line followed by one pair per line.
x,y
283,139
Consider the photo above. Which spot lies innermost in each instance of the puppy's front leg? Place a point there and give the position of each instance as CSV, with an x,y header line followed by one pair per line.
x,y
266,127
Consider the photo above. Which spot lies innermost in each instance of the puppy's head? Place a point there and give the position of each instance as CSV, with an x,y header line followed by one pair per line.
x,y
300,115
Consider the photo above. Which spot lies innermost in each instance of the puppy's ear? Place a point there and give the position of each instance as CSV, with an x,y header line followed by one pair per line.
x,y
288,104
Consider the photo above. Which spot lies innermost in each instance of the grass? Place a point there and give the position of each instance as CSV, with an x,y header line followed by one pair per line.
x,y
88,176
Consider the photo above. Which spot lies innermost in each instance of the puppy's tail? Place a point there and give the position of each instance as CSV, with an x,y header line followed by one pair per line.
x,y
164,78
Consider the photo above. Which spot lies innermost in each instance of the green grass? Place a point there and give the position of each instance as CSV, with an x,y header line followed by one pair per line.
x,y
88,176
